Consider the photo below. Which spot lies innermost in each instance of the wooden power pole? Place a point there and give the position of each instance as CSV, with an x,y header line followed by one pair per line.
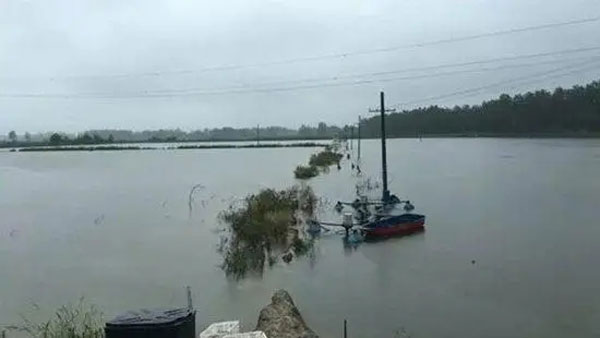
x,y
382,110
258,134
358,157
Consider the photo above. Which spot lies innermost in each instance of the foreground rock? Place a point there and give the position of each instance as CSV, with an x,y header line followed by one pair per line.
x,y
281,319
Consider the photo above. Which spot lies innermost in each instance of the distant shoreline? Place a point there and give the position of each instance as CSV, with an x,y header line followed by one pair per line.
x,y
120,146
179,147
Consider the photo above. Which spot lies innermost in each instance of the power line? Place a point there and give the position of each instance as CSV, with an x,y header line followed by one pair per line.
x,y
525,79
341,84
223,91
373,74
344,54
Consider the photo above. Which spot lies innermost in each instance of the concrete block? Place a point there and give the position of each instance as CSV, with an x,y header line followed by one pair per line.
x,y
253,334
221,329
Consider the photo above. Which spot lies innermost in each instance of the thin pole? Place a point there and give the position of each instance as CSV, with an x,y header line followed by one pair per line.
x,y
257,134
386,193
351,137
189,298
358,138
345,331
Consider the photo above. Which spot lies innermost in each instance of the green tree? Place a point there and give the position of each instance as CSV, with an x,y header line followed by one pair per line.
x,y
111,139
97,139
86,139
27,137
12,135
574,110
56,139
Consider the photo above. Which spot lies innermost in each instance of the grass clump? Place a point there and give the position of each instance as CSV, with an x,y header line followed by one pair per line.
x,y
320,162
76,320
306,172
325,158
300,246
262,227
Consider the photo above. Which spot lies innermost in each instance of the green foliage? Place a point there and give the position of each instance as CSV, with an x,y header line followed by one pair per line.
x,y
573,111
55,139
78,320
306,172
82,148
300,246
12,135
325,158
261,226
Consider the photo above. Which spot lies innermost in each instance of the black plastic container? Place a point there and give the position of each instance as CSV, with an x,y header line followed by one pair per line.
x,y
175,323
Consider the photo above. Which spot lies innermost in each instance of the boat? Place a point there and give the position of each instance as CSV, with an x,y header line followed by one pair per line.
x,y
398,225
389,218
379,218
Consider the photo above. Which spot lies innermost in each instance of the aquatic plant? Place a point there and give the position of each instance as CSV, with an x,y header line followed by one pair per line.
x,y
325,158
306,172
75,320
320,162
263,227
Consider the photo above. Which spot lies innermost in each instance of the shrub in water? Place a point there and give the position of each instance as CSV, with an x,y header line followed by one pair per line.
x,y
262,227
306,172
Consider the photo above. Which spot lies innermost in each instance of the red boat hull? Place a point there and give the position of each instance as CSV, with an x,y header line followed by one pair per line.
x,y
401,229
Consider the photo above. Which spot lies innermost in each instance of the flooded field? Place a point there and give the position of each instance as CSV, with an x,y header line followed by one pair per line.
x,y
510,249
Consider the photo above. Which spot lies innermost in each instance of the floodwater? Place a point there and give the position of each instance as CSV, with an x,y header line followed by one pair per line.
x,y
511,247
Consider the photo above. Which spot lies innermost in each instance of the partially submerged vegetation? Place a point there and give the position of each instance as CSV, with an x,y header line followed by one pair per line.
x,y
75,320
320,161
306,172
325,158
265,227
84,148
263,145
187,146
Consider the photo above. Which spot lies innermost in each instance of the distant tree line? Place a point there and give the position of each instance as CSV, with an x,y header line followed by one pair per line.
x,y
85,138
563,111
574,111
321,131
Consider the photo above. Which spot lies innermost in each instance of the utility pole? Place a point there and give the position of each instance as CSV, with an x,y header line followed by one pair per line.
x,y
358,158
382,110
258,134
351,137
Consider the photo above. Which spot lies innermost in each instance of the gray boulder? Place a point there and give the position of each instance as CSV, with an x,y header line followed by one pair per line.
x,y
281,319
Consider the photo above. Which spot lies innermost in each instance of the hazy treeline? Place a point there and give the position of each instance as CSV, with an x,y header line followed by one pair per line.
x,y
567,111
573,111
322,130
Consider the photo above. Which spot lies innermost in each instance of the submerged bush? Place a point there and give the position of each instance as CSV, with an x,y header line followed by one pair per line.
x,y
78,320
306,172
325,158
262,227
320,161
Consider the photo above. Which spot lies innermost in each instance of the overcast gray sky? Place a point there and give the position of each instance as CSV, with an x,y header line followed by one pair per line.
x,y
101,64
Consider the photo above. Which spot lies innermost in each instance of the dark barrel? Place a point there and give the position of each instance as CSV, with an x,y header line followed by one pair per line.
x,y
176,323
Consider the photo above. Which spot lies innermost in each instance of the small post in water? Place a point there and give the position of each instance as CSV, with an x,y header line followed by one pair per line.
x,y
189,298
345,331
